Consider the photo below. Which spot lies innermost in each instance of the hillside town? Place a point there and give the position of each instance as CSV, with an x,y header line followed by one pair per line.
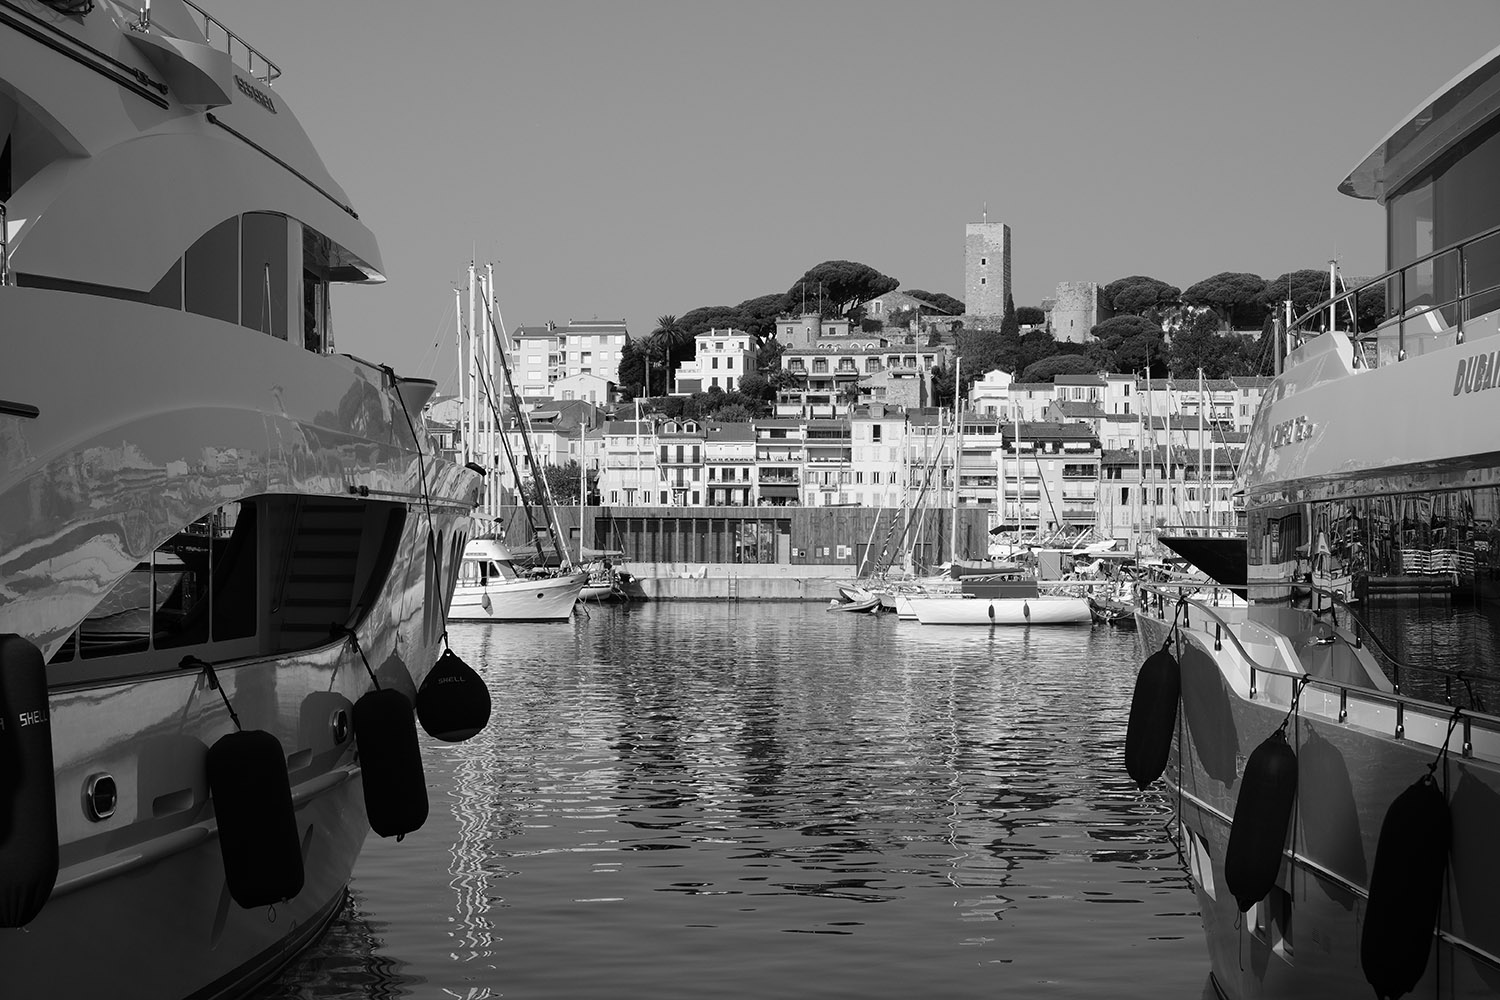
x,y
857,414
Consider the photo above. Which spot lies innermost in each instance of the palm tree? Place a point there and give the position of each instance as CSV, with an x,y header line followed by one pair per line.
x,y
671,338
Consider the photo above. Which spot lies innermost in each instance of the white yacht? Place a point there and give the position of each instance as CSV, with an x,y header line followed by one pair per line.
x,y
212,525
492,588
1338,806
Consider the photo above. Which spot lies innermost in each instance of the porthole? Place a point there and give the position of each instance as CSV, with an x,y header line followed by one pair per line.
x,y
100,796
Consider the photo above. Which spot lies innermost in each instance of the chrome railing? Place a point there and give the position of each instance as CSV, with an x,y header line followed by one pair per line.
x,y
254,62
1467,270
1160,600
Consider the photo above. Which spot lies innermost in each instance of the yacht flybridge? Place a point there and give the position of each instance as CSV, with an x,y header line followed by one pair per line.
x,y
226,551
1337,780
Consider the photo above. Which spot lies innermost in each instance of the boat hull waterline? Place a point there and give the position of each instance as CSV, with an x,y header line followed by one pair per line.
x,y
1002,611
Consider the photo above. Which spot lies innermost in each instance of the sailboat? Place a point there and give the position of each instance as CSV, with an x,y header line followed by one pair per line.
x,y
1004,598
492,584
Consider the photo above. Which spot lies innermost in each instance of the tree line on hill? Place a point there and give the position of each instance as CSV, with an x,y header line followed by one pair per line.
x,y
1174,332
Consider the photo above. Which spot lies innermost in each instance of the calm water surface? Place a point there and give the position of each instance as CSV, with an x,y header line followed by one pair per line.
x,y
739,800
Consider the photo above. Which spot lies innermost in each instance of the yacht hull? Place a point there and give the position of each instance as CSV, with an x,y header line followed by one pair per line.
x,y
172,417
1304,938
548,599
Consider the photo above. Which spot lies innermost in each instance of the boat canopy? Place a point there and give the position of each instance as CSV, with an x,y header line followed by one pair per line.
x,y
1463,105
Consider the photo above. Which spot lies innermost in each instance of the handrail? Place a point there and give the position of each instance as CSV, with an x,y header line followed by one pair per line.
x,y
1368,633
1349,297
266,76
1395,698
4,248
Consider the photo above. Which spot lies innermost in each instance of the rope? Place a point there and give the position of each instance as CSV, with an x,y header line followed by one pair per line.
x,y
194,663
348,633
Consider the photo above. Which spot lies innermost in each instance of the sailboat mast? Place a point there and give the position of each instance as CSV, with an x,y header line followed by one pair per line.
x,y
472,431
1140,467
523,424
958,451
1020,484
1151,422
1213,470
583,479
494,416
1202,506
463,373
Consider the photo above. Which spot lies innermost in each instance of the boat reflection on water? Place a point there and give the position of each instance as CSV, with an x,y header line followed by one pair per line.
x,y
348,961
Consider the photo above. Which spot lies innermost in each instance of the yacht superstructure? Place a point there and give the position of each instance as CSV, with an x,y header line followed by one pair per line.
x,y
1338,794
209,521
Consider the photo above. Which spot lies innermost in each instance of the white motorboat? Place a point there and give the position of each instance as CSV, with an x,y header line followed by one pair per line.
x,y
1041,610
217,535
1337,797
492,588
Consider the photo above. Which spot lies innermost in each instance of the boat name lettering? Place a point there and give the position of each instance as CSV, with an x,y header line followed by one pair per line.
x,y
1477,373
32,718
255,94
1291,431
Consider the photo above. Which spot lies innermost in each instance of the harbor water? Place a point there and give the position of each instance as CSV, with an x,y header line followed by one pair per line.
x,y
753,800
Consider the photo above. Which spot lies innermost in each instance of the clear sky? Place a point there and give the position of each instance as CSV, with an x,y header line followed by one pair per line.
x,y
626,158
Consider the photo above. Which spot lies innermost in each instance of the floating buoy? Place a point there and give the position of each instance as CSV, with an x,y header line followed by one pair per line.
x,y
28,801
390,763
252,798
484,601
453,703
1153,717
1262,811
1406,889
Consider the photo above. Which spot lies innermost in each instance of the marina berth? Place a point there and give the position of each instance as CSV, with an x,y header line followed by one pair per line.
x,y
226,550
1337,794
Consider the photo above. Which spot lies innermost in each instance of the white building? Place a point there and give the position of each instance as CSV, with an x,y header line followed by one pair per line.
x,y
594,389
722,359
592,347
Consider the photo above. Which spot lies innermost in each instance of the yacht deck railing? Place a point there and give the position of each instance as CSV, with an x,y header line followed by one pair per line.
x,y
1162,599
254,62
1435,294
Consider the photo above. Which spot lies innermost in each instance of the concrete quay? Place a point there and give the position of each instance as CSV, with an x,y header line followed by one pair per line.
x,y
735,582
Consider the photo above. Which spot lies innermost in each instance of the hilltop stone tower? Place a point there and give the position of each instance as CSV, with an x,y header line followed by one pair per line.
x,y
986,267
1075,311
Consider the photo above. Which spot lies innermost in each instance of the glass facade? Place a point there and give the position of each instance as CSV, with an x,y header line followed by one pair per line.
x,y
1387,548
1449,202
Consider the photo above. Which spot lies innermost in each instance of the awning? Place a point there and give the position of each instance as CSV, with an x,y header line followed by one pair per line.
x,y
790,492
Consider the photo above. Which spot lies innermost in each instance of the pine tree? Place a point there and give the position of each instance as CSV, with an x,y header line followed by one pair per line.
x,y
1008,323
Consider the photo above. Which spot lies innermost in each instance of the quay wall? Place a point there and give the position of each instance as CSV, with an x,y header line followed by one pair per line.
x,y
734,582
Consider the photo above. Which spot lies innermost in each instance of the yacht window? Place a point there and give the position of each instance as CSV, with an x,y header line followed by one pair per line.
x,y
314,312
317,251
211,273
263,257
204,574
1449,202
254,578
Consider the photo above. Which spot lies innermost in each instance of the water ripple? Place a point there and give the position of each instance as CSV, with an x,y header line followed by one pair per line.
x,y
740,800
